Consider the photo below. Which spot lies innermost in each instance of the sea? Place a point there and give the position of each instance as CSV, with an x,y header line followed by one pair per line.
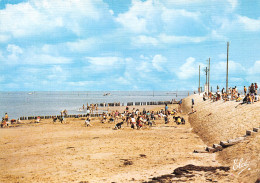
x,y
36,103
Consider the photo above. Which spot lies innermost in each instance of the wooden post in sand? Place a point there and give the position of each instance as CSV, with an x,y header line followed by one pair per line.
x,y
206,70
199,79
227,69
208,76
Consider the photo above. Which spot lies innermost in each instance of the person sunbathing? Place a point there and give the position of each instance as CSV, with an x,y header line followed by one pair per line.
x,y
179,120
118,125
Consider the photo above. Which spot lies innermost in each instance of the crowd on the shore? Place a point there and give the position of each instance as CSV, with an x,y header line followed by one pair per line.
x,y
133,118
137,119
249,95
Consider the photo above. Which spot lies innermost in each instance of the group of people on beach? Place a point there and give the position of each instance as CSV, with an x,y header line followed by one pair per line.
x,y
89,108
137,119
250,96
6,122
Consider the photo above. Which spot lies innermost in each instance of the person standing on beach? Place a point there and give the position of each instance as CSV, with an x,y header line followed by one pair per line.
x,y
166,109
88,112
192,101
180,103
252,88
152,116
166,119
245,90
6,117
133,122
256,87
116,116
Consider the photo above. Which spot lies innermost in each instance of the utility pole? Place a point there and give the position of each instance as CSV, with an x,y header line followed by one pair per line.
x,y
199,79
206,70
227,69
208,76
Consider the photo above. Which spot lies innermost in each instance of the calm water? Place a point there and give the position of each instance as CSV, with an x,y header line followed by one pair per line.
x,y
18,104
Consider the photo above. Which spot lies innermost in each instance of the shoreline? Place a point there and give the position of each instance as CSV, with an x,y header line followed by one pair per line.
x,y
101,109
72,152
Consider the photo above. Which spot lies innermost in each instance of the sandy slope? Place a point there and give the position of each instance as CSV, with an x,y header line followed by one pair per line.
x,y
220,121
47,152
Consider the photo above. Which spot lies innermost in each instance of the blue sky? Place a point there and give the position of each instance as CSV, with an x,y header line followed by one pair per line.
x,y
89,45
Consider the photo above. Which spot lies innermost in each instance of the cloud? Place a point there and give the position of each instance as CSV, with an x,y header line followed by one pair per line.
x,y
159,62
43,59
83,45
60,17
172,15
135,20
15,55
255,69
14,52
188,69
178,2
253,75
151,17
180,39
144,40
14,49
57,73
249,24
4,38
163,39
104,61
233,3
234,67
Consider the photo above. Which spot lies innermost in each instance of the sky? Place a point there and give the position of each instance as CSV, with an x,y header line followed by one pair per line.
x,y
120,45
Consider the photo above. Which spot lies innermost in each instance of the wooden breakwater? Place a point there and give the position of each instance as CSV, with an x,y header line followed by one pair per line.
x,y
56,116
115,104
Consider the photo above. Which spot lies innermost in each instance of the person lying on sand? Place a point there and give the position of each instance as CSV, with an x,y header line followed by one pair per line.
x,y
118,125
111,119
178,120
87,122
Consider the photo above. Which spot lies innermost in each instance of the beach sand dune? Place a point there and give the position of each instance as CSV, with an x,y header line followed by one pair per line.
x,y
222,121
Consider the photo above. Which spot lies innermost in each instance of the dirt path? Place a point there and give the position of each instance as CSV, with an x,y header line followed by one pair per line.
x,y
47,152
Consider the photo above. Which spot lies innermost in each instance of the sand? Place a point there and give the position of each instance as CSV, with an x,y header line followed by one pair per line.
x,y
221,121
71,152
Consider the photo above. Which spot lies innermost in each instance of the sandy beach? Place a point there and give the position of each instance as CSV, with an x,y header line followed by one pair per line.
x,y
71,152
